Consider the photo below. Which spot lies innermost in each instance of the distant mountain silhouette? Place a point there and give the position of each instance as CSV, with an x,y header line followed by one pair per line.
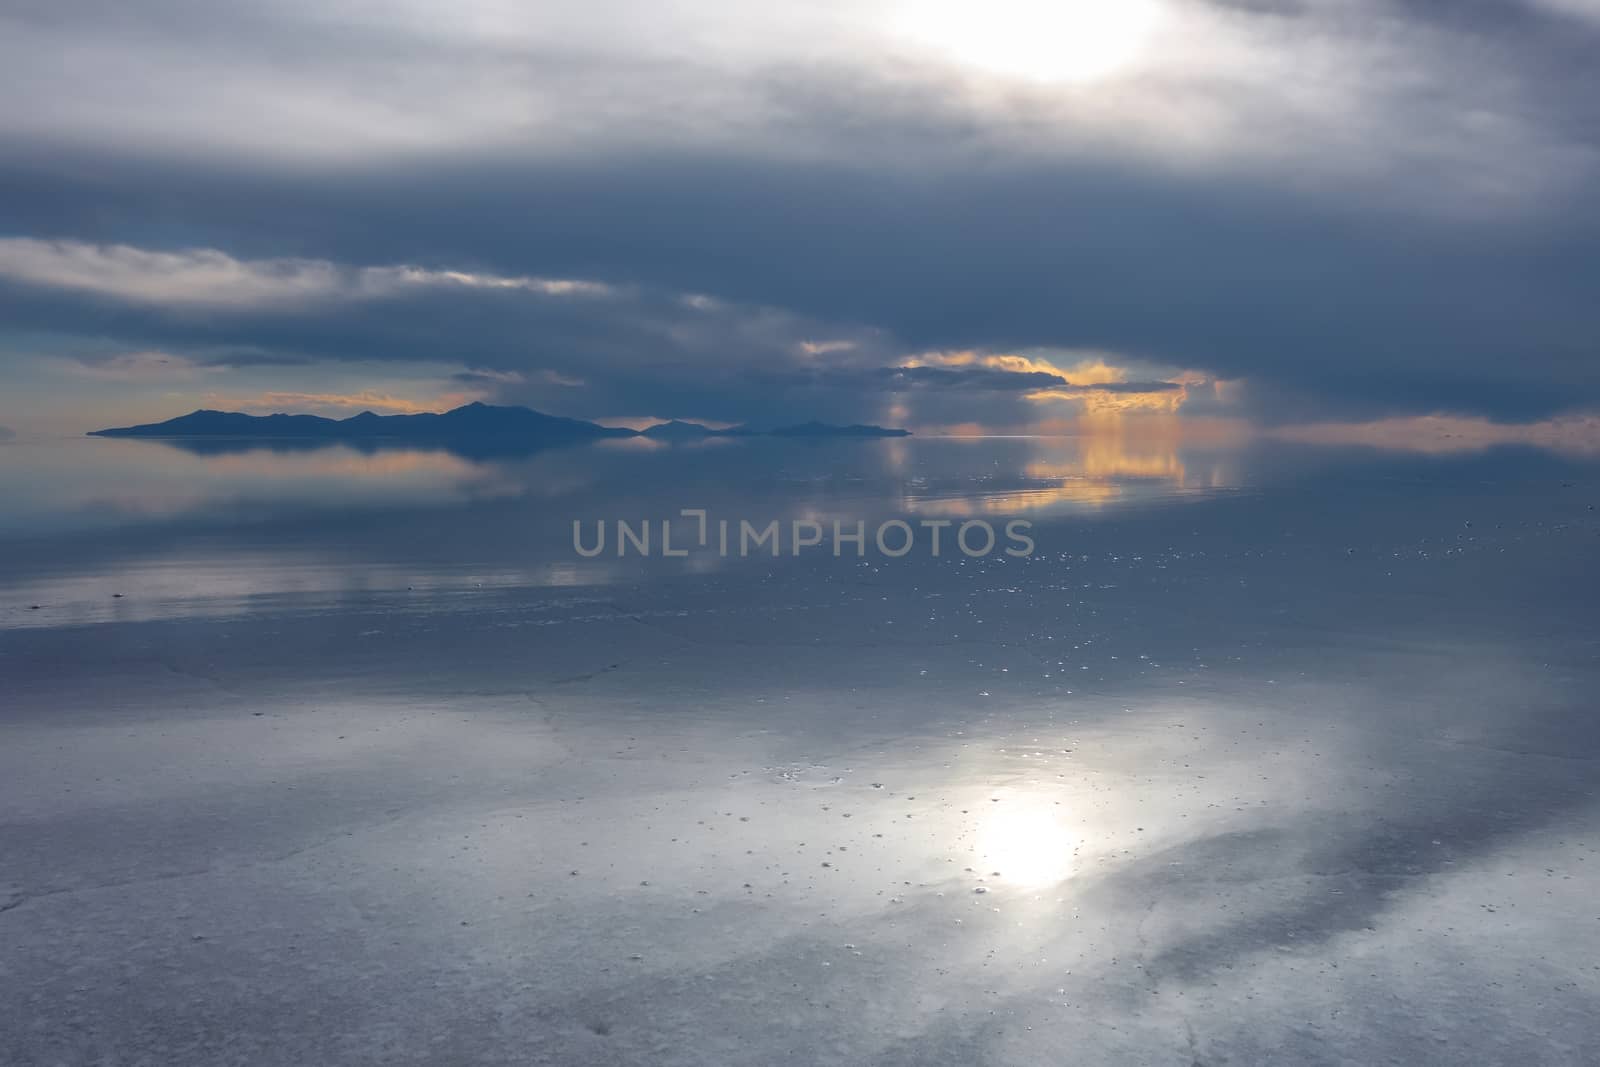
x,y
476,422
471,422
677,430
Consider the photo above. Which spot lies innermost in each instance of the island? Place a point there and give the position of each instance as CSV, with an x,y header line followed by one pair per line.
x,y
475,422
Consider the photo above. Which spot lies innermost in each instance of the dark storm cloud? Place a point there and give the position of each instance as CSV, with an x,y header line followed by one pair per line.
x,y
1313,300
620,350
1438,252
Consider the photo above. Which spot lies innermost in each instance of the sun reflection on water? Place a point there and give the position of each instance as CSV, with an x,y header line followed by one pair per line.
x,y
1103,462
1026,842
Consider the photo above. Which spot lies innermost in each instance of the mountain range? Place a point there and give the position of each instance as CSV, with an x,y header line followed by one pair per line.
x,y
471,422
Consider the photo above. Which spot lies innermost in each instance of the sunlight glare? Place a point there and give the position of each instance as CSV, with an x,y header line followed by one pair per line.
x,y
1072,41
1027,842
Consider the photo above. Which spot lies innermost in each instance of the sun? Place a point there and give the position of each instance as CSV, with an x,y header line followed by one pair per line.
x,y
1072,41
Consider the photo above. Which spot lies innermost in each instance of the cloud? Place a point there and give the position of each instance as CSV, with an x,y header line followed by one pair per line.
x,y
202,277
905,378
498,379
902,379
1332,95
148,365
1091,382
1587,10
237,358
517,338
338,403
491,378
211,279
822,348
1358,207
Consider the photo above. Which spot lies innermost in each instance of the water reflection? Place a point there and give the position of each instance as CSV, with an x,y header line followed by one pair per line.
x,y
109,483
106,483
1204,746
97,530
1025,840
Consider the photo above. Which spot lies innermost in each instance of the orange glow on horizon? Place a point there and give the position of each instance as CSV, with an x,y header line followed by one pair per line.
x,y
1079,380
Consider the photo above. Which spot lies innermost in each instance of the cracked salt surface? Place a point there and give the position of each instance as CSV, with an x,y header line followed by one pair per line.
x,y
1236,794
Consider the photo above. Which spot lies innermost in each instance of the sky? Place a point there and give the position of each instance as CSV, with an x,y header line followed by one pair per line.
x,y
1331,218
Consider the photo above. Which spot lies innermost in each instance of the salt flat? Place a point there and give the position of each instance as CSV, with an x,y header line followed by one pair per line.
x,y
1253,761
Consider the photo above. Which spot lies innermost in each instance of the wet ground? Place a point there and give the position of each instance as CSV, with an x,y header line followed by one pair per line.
x,y
1262,756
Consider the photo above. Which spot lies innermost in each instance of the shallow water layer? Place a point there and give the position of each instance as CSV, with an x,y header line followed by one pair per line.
x,y
1261,756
